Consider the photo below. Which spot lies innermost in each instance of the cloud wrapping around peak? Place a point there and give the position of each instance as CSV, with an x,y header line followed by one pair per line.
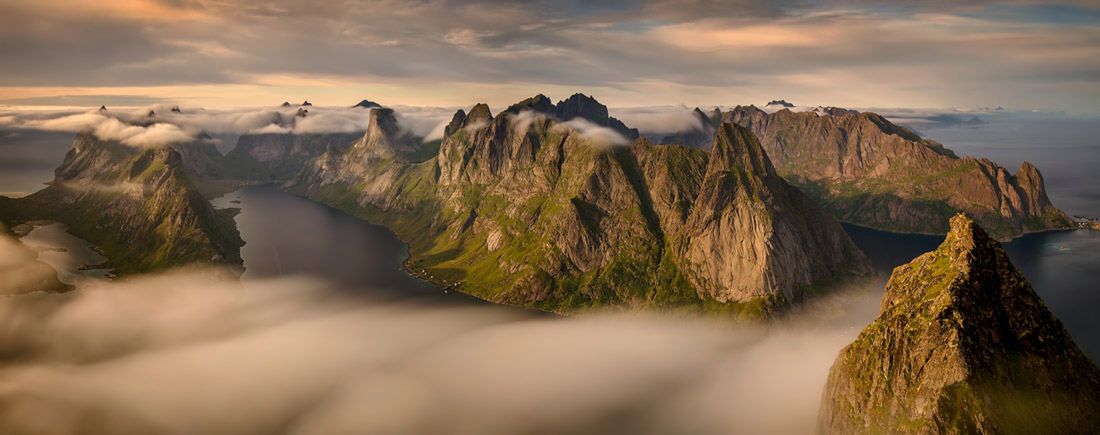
x,y
597,133
109,128
169,124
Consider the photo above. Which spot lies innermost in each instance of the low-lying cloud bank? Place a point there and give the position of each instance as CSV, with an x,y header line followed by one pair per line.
x,y
158,125
189,352
660,119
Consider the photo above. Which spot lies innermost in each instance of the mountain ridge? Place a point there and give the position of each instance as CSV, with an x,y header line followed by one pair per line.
x,y
521,208
870,172
136,204
962,344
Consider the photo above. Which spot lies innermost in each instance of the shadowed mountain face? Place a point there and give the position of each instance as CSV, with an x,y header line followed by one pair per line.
x,y
868,171
962,344
276,157
136,204
524,209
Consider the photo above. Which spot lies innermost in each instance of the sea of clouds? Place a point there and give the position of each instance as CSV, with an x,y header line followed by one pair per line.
x,y
157,125
193,351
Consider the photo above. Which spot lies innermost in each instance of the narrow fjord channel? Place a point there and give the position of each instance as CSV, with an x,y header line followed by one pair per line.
x,y
289,235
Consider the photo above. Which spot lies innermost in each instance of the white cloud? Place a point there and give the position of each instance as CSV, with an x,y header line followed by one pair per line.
x,y
659,119
594,132
137,128
111,128
189,352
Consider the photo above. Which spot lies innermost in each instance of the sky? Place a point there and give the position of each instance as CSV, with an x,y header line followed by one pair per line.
x,y
235,53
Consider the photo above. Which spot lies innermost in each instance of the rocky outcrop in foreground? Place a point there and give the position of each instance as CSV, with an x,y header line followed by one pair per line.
x,y
962,344
136,204
870,172
529,209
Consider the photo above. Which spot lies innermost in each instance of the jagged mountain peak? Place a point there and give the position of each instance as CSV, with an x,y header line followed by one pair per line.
x,y
699,113
781,103
457,121
736,146
539,103
582,106
367,104
285,104
962,344
385,138
382,119
479,114
306,103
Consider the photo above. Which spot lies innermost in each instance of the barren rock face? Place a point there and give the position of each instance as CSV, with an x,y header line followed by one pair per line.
x,y
870,172
750,234
962,344
523,208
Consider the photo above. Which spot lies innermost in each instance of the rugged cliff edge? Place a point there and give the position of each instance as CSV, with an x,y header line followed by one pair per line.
x,y
527,209
136,204
962,344
870,172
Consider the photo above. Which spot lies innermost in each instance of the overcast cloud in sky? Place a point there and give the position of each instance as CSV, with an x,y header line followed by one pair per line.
x,y
220,53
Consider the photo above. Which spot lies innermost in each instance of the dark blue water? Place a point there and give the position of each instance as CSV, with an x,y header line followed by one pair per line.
x,y
288,235
1063,267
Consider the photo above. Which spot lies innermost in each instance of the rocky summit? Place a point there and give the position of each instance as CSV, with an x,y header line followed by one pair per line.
x,y
870,172
527,209
962,344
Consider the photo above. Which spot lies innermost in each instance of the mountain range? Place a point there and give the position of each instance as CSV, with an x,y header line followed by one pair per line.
x,y
523,208
868,171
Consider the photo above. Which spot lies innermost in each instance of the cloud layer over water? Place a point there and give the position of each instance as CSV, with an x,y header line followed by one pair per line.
x,y
158,125
188,352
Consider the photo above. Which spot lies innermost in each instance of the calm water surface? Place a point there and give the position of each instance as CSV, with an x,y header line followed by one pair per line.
x,y
288,235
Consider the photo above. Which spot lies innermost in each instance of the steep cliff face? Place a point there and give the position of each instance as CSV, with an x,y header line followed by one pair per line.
x,y
278,157
868,171
135,204
750,233
522,208
962,344
201,159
